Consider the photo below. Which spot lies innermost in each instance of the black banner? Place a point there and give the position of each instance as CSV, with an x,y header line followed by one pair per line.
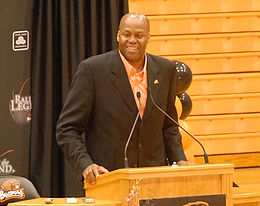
x,y
15,110
205,200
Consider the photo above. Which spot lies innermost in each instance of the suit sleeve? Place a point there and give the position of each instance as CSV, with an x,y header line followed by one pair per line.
x,y
74,118
172,136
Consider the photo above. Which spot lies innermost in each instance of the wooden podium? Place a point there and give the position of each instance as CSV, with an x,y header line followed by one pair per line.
x,y
131,185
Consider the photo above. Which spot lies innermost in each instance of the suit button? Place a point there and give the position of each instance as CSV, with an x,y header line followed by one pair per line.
x,y
140,145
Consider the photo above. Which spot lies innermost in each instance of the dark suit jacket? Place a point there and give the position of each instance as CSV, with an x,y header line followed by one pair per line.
x,y
101,103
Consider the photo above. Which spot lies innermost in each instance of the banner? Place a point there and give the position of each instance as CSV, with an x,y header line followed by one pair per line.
x,y
15,110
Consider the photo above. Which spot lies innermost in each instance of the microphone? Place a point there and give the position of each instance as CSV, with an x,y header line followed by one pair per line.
x,y
138,95
206,159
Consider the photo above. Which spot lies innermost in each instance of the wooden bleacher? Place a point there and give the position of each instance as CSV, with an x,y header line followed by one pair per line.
x,y
222,63
215,84
238,103
202,23
204,43
170,7
220,41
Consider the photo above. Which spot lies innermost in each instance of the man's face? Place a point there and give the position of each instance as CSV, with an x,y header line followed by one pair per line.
x,y
133,36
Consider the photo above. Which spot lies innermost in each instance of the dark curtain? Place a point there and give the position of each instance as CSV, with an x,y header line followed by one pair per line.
x,y
64,32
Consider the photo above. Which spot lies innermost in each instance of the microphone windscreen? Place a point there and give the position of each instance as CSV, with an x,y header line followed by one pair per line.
x,y
138,94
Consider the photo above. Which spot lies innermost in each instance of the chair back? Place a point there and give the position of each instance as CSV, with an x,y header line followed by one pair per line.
x,y
15,188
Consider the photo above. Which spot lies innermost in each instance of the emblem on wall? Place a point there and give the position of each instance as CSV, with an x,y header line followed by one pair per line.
x,y
20,40
20,106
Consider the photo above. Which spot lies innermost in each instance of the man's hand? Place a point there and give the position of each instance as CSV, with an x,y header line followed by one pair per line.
x,y
184,163
92,172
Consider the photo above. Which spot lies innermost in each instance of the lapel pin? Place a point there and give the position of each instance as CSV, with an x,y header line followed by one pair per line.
x,y
156,82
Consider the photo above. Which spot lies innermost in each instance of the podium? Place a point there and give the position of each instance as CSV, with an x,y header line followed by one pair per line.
x,y
152,185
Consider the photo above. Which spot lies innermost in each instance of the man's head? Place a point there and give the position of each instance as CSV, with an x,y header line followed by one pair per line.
x,y
133,36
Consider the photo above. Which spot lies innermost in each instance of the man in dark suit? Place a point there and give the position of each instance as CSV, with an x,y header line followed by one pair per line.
x,y
102,102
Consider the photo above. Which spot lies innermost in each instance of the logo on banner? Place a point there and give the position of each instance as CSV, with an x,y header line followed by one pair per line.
x,y
203,200
20,40
197,203
5,167
20,106
11,189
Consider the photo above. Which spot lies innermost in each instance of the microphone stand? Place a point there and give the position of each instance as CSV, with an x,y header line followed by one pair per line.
x,y
206,159
138,94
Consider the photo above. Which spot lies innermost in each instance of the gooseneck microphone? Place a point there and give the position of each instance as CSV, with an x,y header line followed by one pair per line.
x,y
206,159
138,95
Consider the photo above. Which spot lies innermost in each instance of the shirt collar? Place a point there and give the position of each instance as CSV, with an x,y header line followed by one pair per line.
x,y
129,68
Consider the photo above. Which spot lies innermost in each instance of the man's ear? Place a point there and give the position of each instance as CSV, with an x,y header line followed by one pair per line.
x,y
117,36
